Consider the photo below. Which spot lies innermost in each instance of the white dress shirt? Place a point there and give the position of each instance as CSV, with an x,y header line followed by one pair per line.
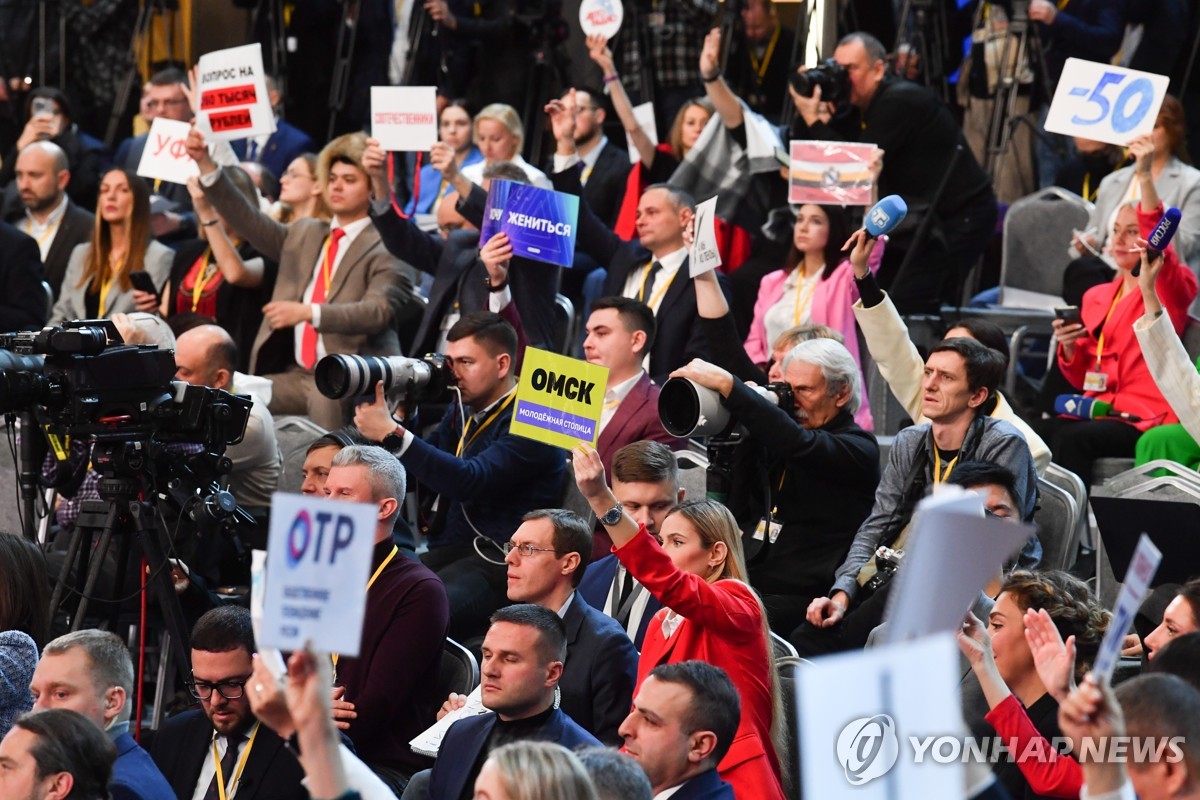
x,y
671,263
352,230
44,233
209,768
614,396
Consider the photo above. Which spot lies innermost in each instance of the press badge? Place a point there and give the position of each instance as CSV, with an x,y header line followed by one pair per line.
x,y
1095,381
767,528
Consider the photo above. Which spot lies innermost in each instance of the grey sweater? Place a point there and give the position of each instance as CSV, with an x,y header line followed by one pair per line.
x,y
18,658
995,441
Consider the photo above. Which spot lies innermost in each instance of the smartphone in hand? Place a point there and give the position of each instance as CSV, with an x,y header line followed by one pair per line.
x,y
1069,315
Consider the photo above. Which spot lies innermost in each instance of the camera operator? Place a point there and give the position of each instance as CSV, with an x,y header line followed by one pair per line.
x,y
207,356
961,376
823,476
918,136
485,477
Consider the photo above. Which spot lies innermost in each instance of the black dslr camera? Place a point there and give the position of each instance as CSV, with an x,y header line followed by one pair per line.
x,y
832,77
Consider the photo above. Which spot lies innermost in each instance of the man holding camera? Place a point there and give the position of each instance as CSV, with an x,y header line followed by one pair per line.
x,y
484,477
961,376
823,474
859,100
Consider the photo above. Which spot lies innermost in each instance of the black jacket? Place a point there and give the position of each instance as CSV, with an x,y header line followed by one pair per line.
x,y
23,302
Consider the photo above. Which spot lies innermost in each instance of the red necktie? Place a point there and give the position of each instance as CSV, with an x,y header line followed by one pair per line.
x,y
308,345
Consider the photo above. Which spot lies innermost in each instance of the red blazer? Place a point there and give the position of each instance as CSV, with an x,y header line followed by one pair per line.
x,y
636,419
722,625
1131,387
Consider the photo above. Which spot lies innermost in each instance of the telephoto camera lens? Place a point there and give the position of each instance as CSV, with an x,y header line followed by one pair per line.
x,y
341,376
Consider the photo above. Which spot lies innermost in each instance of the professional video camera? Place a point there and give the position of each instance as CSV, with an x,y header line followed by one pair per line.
x,y
80,379
831,76
418,379
686,408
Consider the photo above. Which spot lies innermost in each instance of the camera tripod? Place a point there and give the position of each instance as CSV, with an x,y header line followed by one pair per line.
x,y
923,28
147,10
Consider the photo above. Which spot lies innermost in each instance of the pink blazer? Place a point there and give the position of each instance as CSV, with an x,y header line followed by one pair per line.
x,y
831,305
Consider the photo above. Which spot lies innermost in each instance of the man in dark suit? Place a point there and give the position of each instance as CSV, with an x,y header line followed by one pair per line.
x,y
163,96
653,270
23,302
386,685
90,671
55,754
461,282
523,655
603,166
484,477
645,479
337,286
275,151
684,718
620,331
546,559
40,207
192,749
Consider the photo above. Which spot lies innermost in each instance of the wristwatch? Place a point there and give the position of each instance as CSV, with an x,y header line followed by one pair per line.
x,y
613,515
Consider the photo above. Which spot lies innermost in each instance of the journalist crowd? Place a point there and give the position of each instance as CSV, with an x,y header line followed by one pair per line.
x,y
625,619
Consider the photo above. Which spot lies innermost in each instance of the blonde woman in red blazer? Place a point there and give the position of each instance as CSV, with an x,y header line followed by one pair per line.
x,y
709,614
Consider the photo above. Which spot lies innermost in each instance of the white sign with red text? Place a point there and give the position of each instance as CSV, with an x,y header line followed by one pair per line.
x,y
404,118
234,103
165,157
601,17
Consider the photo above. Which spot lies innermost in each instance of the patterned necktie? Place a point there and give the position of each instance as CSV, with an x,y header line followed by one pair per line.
x,y
308,345
228,764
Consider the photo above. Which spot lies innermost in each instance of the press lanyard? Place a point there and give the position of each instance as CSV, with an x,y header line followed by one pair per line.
x,y
105,285
760,69
587,173
938,475
775,505
464,443
1100,339
51,228
202,278
657,296
1062,4
241,765
801,308
378,571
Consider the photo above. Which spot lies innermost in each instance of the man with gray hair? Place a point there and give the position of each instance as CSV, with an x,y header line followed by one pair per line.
x,y
383,698
90,671
38,205
821,476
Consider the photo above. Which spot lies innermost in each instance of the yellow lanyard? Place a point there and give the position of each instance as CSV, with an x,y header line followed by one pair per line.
x,y
202,278
1087,187
464,443
587,173
50,229
157,184
1062,4
378,571
105,285
938,475
441,193
241,765
1100,340
760,69
801,308
775,505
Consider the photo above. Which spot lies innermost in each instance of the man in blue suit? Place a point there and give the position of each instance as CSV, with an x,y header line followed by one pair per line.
x,y
277,150
523,655
546,558
684,718
90,671
645,479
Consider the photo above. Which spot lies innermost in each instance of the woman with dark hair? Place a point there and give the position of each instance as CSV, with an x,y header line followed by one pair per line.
x,y
97,281
816,285
48,118
1182,616
1005,658
454,129
695,566
218,276
24,623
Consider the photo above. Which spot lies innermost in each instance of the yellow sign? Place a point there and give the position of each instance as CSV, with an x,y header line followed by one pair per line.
x,y
559,399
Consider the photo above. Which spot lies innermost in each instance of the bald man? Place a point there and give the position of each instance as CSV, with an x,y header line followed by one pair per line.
x,y
206,356
37,204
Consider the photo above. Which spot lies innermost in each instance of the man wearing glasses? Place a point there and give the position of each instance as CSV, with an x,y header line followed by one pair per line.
x,y
212,752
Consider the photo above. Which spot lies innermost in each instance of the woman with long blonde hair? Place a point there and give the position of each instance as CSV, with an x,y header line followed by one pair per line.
x,y
97,282
533,771
696,568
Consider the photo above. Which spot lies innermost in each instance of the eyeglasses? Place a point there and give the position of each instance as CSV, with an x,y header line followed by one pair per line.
x,y
291,173
153,104
526,550
230,690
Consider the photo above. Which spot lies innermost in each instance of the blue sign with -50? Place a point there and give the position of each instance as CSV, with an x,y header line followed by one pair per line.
x,y
1105,103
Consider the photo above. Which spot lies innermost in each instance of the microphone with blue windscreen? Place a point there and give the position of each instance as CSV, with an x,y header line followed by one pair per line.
x,y
885,215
